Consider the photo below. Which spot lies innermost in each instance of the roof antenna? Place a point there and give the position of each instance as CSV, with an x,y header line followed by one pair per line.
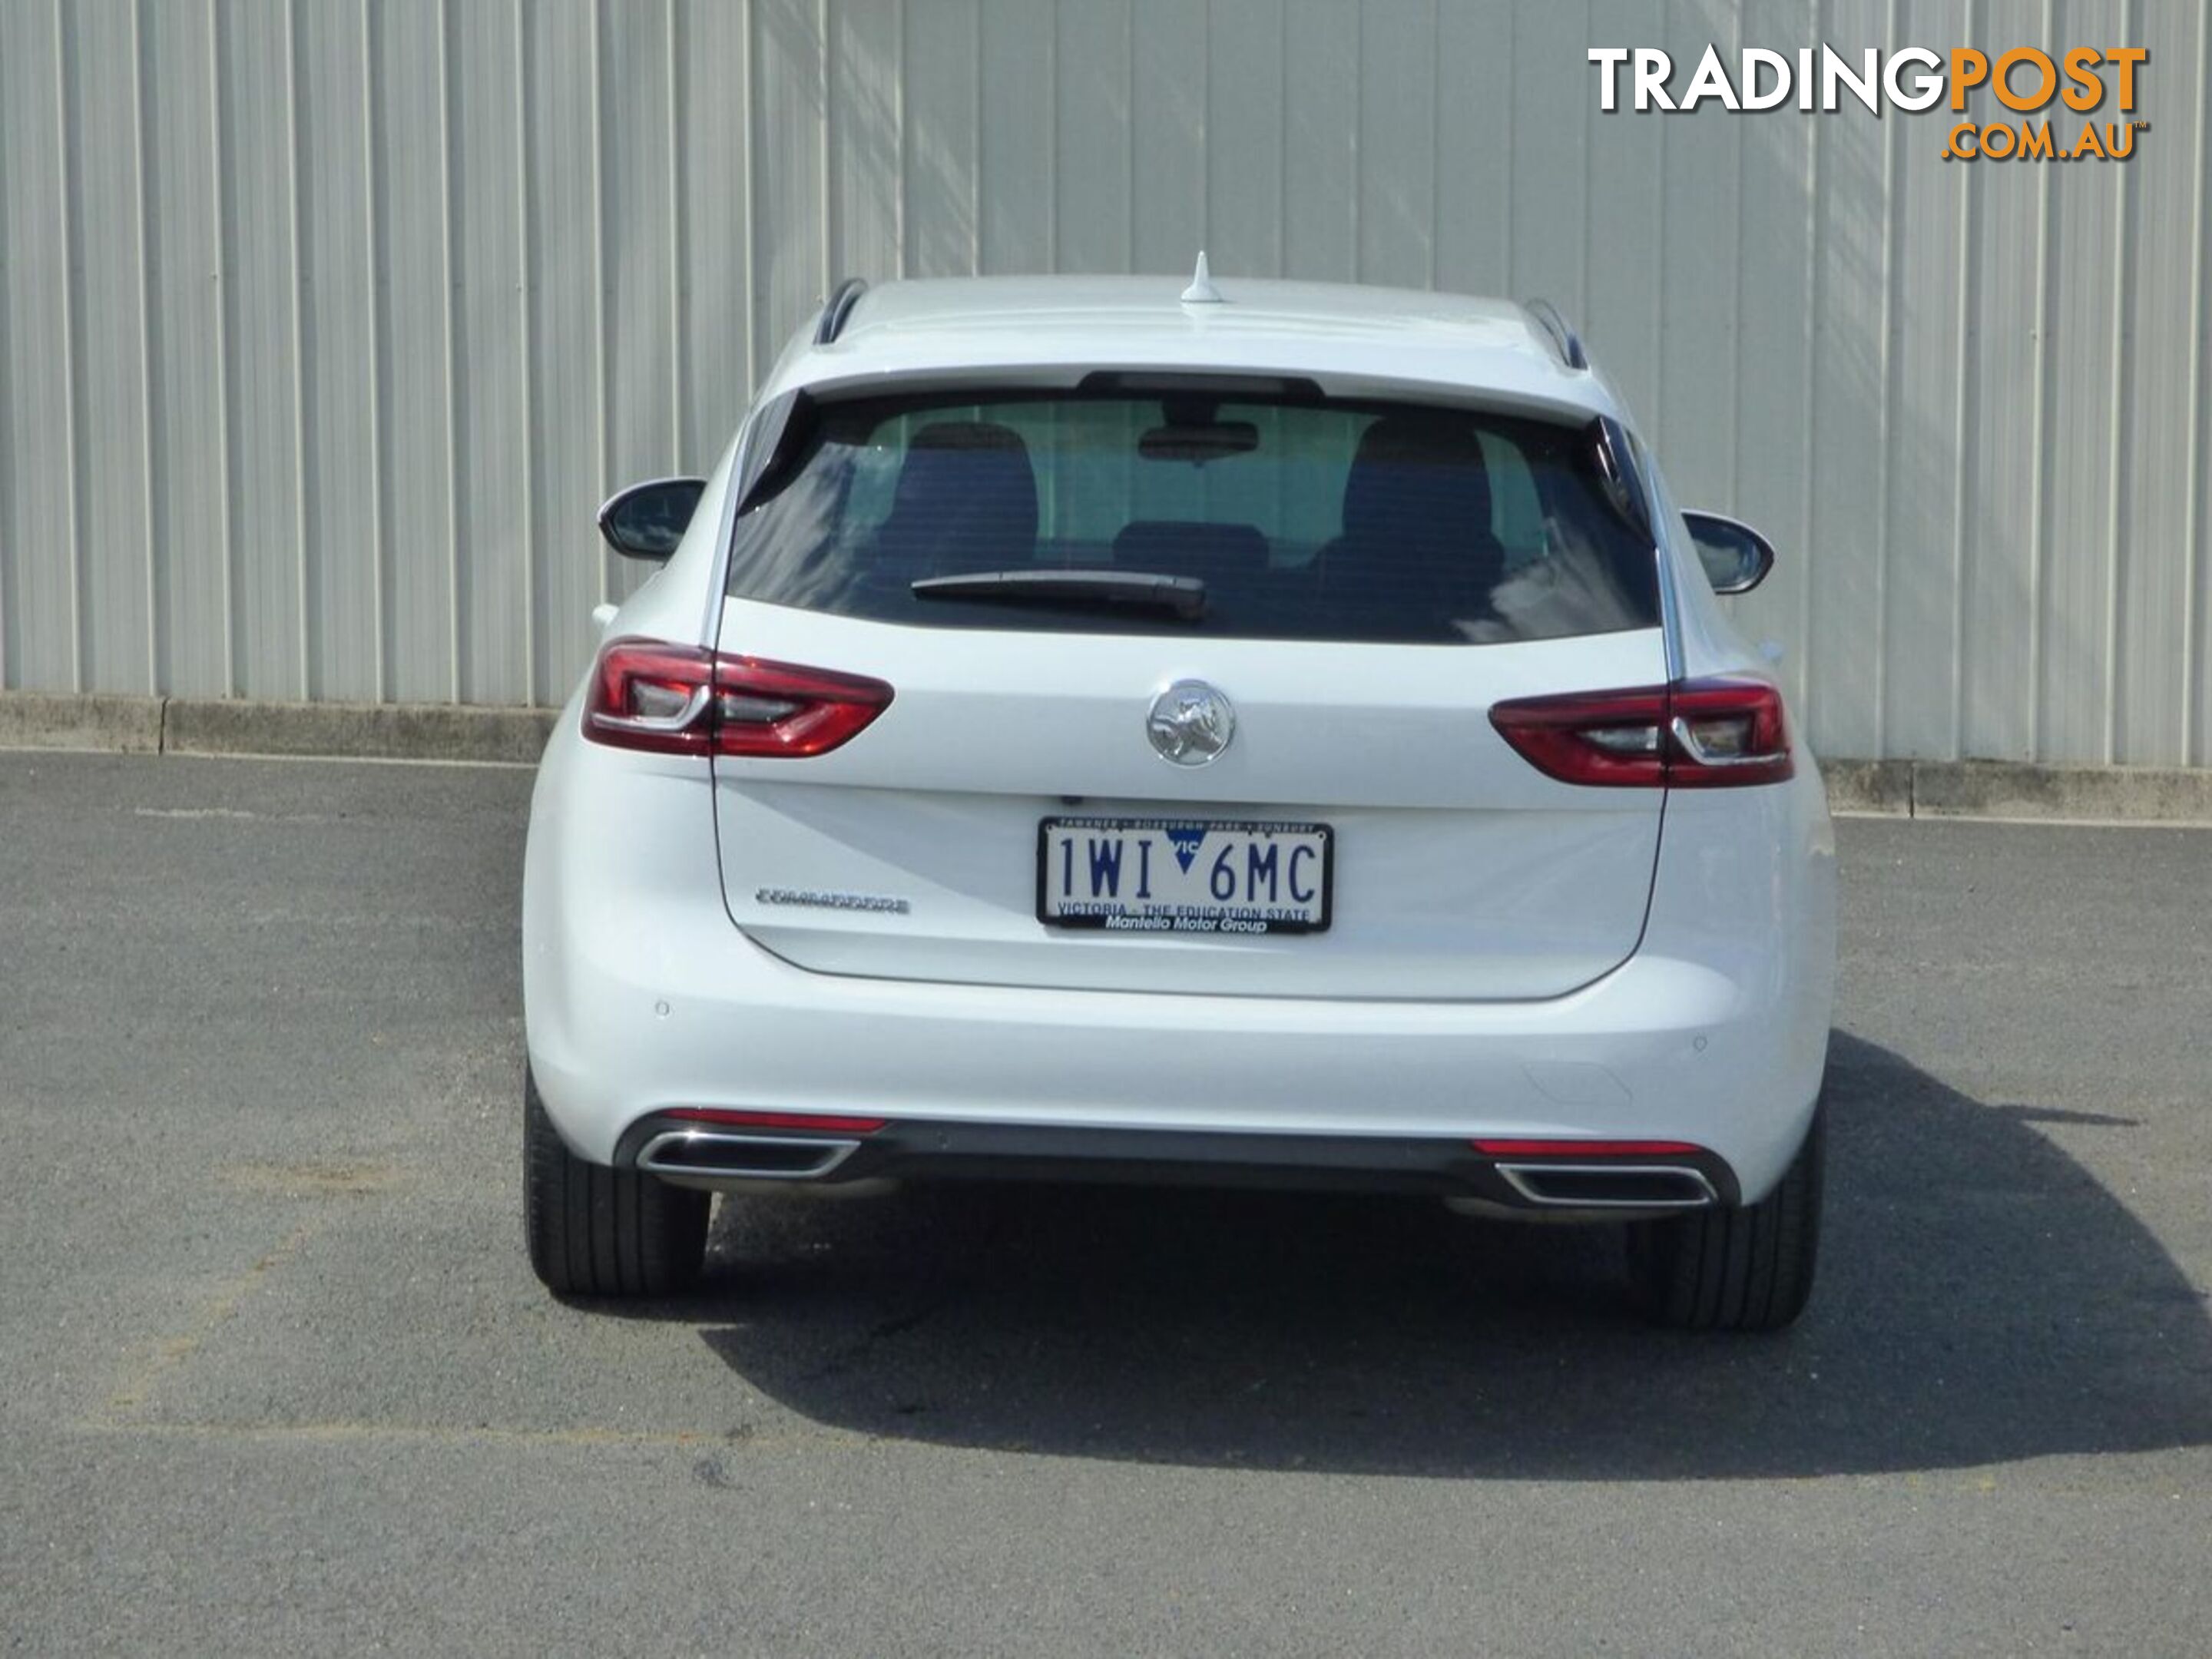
x,y
1201,291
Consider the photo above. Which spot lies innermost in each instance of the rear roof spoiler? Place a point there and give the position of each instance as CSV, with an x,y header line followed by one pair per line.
x,y
1615,462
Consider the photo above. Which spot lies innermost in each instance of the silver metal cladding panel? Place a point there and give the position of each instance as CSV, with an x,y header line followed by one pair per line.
x,y
324,326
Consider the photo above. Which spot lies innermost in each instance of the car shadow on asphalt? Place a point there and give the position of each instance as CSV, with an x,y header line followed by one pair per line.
x,y
1981,1297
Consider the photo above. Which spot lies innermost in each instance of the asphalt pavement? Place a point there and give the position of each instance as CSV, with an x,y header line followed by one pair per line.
x,y
275,1375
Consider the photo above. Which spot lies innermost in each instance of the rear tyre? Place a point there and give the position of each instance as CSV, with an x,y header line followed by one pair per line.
x,y
598,1231
1744,1269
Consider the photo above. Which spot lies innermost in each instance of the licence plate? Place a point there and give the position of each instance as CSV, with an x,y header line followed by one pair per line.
x,y
1183,876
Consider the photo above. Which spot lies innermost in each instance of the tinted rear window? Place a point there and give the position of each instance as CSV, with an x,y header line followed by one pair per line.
x,y
1303,521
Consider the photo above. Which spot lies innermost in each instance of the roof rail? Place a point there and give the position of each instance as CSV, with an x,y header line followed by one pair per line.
x,y
1566,345
843,298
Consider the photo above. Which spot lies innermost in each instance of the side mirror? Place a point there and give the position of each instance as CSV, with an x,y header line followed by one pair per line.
x,y
1735,557
647,520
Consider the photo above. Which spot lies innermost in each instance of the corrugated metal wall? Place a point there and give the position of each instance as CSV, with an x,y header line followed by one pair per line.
x,y
326,325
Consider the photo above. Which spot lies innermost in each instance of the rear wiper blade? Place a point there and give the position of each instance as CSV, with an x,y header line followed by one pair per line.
x,y
1184,596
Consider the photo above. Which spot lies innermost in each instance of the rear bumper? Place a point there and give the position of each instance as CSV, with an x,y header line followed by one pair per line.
x,y
641,998
747,1158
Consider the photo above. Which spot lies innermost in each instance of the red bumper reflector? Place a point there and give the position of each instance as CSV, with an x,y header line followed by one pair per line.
x,y
1587,1148
817,1120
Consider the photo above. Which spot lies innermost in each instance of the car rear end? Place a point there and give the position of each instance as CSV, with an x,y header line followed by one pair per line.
x,y
1189,774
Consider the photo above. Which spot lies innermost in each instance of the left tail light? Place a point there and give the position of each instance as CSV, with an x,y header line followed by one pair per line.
x,y
1694,734
685,700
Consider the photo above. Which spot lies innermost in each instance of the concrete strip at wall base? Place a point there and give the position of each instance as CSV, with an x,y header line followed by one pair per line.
x,y
2007,789
1875,788
114,725
515,737
2014,790
230,725
418,731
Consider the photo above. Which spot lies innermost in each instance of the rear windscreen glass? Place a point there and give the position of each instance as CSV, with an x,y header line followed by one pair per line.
x,y
1295,519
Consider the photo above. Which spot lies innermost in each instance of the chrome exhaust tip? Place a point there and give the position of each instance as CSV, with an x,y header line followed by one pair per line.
x,y
1611,1186
704,1157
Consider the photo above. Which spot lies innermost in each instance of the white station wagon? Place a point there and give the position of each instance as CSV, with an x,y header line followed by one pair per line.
x,y
1099,729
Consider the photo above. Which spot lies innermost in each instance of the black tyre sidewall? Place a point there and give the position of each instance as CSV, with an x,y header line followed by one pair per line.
x,y
596,1231
1748,1268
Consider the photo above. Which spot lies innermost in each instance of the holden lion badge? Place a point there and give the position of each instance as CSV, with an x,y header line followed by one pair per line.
x,y
1191,723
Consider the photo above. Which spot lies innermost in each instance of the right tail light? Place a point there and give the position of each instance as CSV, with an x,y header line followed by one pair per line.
x,y
1715,733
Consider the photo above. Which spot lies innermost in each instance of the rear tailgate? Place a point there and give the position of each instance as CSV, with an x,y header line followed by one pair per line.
x,y
913,852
